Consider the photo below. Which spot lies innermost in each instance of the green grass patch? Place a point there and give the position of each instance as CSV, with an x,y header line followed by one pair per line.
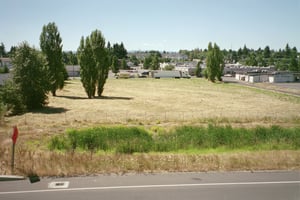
x,y
118,139
181,139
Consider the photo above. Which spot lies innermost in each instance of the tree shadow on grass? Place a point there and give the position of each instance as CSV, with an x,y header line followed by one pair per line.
x,y
102,97
114,98
50,110
71,97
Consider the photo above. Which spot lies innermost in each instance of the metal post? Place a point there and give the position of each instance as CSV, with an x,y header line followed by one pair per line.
x,y
13,159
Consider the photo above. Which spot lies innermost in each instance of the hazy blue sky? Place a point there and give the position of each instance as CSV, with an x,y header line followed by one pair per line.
x,y
156,24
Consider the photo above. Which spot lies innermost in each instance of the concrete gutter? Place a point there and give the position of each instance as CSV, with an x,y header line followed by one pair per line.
x,y
11,178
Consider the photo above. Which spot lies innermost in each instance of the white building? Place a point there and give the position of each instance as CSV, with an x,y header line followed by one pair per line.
x,y
281,77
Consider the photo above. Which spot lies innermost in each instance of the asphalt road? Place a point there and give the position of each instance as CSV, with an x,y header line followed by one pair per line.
x,y
233,186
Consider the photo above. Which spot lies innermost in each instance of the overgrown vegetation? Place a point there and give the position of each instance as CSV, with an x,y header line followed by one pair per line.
x,y
133,139
118,139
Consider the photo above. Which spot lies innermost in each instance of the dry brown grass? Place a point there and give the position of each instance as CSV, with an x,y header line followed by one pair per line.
x,y
75,164
150,103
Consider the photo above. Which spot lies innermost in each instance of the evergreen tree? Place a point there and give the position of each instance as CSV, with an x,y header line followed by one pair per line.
x,y
293,66
267,52
119,50
124,64
51,45
2,50
147,62
287,51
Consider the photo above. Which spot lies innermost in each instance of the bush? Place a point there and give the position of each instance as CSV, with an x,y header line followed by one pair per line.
x,y
58,142
119,139
11,97
2,111
4,70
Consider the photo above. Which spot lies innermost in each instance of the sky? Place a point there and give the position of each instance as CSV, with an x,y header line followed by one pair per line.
x,y
168,25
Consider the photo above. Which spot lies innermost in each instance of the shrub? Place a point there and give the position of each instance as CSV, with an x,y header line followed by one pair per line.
x,y
2,111
12,98
120,139
58,142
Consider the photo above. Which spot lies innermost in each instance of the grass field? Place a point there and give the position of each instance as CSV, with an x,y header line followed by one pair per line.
x,y
152,104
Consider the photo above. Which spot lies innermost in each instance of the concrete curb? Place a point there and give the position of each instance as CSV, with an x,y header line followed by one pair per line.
x,y
11,178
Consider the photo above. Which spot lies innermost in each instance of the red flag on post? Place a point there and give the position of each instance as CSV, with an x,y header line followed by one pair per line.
x,y
15,135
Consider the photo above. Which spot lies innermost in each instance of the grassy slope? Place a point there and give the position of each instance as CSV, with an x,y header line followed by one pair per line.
x,y
153,103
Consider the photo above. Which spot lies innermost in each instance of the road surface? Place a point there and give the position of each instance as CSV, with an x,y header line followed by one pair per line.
x,y
276,185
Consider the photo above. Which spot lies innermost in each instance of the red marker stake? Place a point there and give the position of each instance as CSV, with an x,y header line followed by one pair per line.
x,y
14,140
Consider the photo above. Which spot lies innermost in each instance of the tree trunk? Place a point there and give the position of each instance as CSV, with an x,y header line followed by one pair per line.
x,y
53,93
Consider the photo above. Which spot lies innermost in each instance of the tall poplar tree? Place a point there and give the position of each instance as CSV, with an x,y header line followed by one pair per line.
x,y
94,63
214,63
51,45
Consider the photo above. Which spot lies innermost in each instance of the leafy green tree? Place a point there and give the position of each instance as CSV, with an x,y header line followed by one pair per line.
x,y
134,60
287,51
293,66
51,45
214,63
94,63
2,50
115,65
11,99
152,61
12,51
4,69
30,76
267,52
119,50
169,67
245,51
124,64
198,69
251,60
147,62
155,63
69,58
88,71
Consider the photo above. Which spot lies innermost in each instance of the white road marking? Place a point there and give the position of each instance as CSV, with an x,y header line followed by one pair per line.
x,y
152,186
59,185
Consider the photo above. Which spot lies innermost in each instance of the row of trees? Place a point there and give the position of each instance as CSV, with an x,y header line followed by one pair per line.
x,y
36,73
283,59
94,63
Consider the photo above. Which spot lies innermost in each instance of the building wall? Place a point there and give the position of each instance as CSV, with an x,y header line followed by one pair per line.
x,y
281,78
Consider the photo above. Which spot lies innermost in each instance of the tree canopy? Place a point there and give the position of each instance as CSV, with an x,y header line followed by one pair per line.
x,y
214,62
152,61
29,76
94,63
282,59
51,45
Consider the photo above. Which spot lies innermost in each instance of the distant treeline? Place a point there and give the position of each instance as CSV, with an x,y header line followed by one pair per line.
x,y
283,59
287,58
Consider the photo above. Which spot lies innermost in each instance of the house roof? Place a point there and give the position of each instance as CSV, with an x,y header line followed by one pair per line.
x,y
5,59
